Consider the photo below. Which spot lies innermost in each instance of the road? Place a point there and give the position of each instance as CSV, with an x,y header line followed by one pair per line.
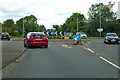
x,y
109,51
66,61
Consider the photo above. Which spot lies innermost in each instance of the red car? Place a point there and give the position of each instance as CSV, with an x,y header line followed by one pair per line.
x,y
36,39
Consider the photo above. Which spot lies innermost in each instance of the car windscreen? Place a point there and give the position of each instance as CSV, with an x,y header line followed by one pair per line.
x,y
4,35
112,35
38,35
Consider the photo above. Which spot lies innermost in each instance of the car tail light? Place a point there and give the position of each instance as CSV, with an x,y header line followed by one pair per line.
x,y
46,36
7,35
31,36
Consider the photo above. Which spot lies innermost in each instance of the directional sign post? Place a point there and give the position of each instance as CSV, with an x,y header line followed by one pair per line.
x,y
56,34
52,33
16,31
76,39
47,33
6,30
100,30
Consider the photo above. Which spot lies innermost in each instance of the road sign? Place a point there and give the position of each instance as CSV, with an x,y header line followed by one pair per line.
x,y
61,33
76,38
100,29
16,31
5,29
56,33
52,33
47,33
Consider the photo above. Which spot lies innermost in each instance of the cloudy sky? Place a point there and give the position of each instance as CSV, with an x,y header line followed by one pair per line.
x,y
48,12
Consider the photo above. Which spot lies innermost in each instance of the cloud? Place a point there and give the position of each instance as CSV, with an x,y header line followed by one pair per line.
x,y
48,12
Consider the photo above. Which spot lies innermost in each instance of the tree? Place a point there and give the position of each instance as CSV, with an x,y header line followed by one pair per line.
x,y
107,16
71,23
15,30
8,23
0,27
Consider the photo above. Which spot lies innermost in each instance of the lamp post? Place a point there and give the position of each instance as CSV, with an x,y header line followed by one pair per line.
x,y
77,24
23,23
100,17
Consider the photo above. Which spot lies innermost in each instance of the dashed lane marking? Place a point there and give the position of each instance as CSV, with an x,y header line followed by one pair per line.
x,y
66,46
103,58
89,49
109,62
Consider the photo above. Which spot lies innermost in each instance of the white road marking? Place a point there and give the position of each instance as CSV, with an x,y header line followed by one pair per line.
x,y
89,49
110,62
66,46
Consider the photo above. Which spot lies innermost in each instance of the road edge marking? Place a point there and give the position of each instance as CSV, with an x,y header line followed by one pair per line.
x,y
89,50
109,62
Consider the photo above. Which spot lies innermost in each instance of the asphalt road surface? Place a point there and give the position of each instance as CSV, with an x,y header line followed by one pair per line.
x,y
66,61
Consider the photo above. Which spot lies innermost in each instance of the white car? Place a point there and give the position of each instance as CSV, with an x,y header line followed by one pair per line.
x,y
111,38
83,36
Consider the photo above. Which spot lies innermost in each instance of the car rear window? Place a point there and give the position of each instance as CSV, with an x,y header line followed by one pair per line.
x,y
112,35
38,35
5,35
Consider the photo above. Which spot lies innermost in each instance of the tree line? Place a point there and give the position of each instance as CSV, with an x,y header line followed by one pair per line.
x,y
96,12
16,28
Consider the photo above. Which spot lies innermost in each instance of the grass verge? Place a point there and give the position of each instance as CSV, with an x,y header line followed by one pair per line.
x,y
54,40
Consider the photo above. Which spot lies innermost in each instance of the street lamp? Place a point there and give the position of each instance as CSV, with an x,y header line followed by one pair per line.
x,y
77,24
100,17
23,23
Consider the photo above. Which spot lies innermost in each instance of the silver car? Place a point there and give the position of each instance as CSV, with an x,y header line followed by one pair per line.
x,y
111,38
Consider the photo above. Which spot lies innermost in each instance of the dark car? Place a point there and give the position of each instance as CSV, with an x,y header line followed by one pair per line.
x,y
5,36
36,39
111,38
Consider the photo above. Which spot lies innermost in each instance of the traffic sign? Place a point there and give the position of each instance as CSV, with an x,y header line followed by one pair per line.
x,y
16,31
52,33
100,29
56,33
5,29
61,33
76,38
47,33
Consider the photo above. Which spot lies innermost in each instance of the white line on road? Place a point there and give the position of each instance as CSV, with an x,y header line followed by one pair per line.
x,y
89,49
103,58
110,62
66,46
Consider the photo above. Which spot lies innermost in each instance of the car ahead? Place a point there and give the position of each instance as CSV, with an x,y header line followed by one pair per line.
x,y
111,38
83,36
5,36
36,39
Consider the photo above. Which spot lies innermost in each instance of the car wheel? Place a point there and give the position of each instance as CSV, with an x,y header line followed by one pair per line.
x,y
46,46
8,39
117,42
27,45
104,42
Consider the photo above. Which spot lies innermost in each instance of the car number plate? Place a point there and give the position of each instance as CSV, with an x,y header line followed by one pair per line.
x,y
113,40
39,39
4,37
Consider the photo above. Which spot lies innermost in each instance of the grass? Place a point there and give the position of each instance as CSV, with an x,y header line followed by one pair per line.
x,y
18,39
95,37
54,40
14,36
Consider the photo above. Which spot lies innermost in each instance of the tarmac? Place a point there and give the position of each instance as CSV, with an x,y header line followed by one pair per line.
x,y
10,53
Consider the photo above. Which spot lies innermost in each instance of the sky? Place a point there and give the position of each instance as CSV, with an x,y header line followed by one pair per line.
x,y
48,12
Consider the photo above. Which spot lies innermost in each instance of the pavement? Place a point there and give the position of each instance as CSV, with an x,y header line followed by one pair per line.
x,y
64,61
10,52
